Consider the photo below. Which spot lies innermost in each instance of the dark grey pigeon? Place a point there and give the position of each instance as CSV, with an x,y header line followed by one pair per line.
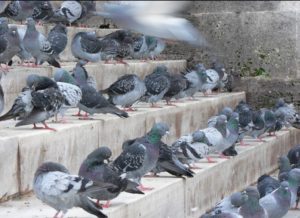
x,y
294,183
284,165
37,104
277,203
168,162
85,46
12,45
294,155
38,45
127,90
251,208
95,169
266,184
42,11
54,186
178,85
58,39
140,156
93,102
81,75
157,84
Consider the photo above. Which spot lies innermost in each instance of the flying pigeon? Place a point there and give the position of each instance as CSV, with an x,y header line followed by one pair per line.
x,y
95,169
140,156
62,191
38,45
126,91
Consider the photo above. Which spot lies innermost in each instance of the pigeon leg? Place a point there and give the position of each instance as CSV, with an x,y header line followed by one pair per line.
x,y
223,156
47,127
151,174
120,61
56,215
85,117
242,143
155,105
209,160
143,188
259,139
170,104
129,109
106,205
35,127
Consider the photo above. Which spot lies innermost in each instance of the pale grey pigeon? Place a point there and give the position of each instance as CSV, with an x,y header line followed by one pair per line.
x,y
56,187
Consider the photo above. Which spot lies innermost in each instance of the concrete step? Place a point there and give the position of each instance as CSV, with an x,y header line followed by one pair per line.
x,y
26,149
105,74
181,198
66,55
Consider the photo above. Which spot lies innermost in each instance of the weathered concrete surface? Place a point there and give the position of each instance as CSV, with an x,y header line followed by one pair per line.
x,y
105,74
72,142
180,198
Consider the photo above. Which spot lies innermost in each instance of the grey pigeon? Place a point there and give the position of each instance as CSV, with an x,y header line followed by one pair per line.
x,y
58,39
177,87
3,5
284,165
192,84
286,111
81,75
137,16
37,104
212,121
294,155
43,11
251,208
38,45
140,47
85,46
127,90
209,79
19,10
69,12
61,75
12,45
231,203
157,84
24,55
294,183
169,162
155,46
95,169
140,156
54,186
266,184
277,203
220,214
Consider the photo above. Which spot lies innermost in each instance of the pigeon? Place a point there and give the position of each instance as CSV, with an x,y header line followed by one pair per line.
x,y
294,183
277,203
36,104
168,161
220,214
85,46
43,11
24,55
140,156
2,101
192,84
61,75
19,10
58,39
266,184
38,45
140,46
93,102
95,169
128,89
155,46
212,121
12,45
62,191
177,87
284,165
286,111
3,5
230,204
294,155
69,12
251,208
153,19
209,79
157,84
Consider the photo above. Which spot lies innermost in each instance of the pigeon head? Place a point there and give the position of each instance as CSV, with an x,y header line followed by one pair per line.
x,y
151,41
284,186
161,69
158,131
37,82
61,75
30,22
221,119
279,103
50,167
238,199
100,154
198,136
227,111
284,162
283,176
200,67
14,36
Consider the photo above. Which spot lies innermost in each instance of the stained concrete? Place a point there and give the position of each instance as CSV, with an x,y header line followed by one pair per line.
x,y
181,198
